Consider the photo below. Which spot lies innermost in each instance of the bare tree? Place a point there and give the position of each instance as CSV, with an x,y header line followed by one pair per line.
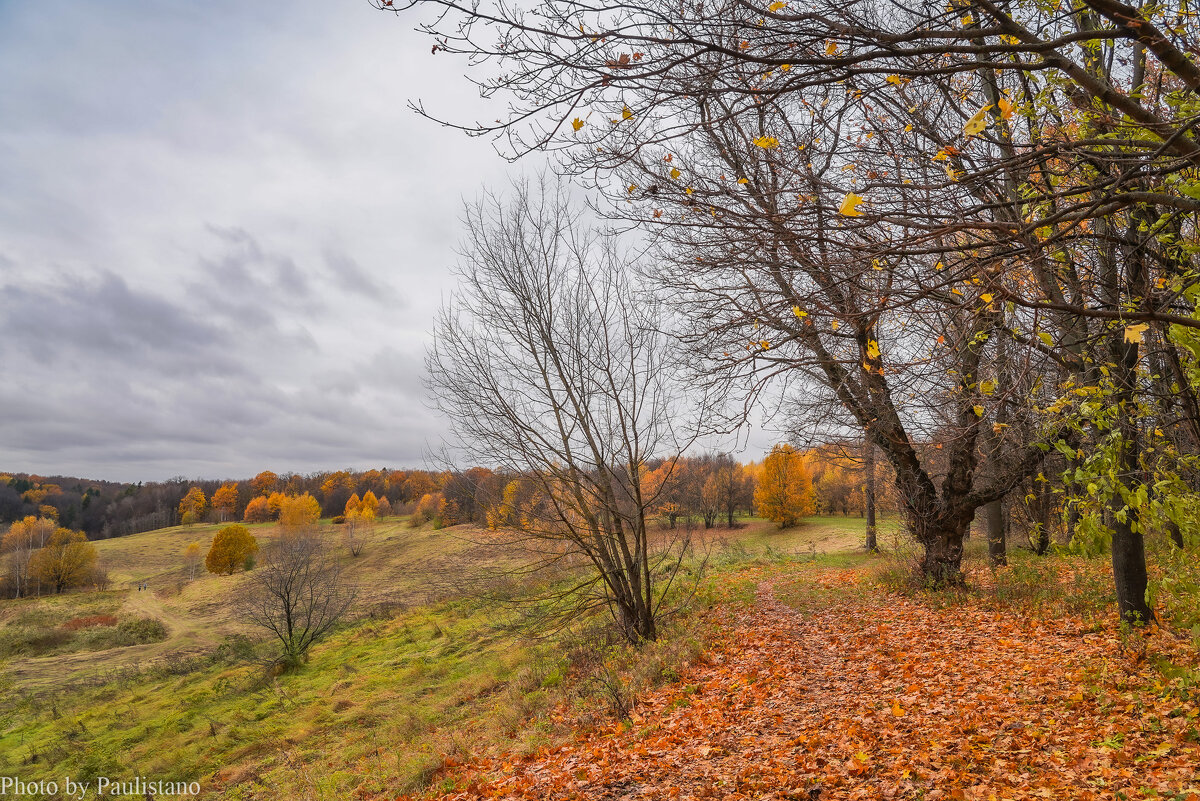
x,y
551,366
298,593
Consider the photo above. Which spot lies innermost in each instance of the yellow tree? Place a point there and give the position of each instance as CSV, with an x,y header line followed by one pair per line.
x,y
785,491
230,549
299,512
225,501
370,503
275,503
191,556
66,560
23,538
353,505
192,507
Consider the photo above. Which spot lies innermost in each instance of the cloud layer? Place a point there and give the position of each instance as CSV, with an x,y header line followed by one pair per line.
x,y
222,236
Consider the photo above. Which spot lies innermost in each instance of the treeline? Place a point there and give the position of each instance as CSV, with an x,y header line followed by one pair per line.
x,y
706,490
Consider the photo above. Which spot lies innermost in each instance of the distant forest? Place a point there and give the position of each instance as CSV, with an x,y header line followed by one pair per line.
x,y
104,509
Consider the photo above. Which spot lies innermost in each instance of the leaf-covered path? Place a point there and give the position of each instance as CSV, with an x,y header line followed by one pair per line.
x,y
874,696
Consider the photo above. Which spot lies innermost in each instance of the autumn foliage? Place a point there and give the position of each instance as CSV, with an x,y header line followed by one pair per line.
x,y
785,490
230,549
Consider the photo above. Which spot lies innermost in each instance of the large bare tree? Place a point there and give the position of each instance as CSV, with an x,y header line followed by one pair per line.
x,y
552,367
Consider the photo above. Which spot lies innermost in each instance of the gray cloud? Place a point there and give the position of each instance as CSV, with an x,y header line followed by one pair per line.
x,y
222,236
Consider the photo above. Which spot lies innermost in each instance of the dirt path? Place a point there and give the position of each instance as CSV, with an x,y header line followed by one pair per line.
x,y
186,637
883,697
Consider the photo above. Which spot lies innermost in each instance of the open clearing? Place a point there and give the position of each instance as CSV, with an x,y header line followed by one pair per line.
x,y
796,674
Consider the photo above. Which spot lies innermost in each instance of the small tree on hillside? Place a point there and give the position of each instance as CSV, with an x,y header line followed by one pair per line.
x,y
230,549
297,593
785,491
192,507
191,558
67,560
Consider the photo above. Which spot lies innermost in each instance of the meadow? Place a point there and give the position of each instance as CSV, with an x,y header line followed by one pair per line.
x,y
432,689
426,672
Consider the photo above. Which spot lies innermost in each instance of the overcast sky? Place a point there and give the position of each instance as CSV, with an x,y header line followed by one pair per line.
x,y
222,235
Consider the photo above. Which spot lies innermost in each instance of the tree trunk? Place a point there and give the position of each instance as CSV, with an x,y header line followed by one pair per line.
x,y
994,518
941,564
869,495
1042,545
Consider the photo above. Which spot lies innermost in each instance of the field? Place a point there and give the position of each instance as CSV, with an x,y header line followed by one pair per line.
x,y
432,689
425,670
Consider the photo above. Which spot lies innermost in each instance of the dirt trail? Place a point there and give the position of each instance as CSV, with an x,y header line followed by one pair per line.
x,y
186,636
881,697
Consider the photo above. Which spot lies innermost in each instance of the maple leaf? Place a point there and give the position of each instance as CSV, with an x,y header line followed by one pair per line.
x,y
767,142
577,123
850,204
776,6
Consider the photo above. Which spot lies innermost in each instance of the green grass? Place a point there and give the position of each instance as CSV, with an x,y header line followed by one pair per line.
x,y
424,677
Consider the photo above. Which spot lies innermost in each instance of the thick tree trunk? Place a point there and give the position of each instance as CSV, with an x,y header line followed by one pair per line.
x,y
994,518
942,562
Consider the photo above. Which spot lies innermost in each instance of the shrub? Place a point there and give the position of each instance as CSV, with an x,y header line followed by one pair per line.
x,y
90,621
141,630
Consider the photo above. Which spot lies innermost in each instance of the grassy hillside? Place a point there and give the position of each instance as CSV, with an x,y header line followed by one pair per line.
x,y
423,676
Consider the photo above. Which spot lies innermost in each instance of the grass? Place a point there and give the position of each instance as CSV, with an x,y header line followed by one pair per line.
x,y
424,677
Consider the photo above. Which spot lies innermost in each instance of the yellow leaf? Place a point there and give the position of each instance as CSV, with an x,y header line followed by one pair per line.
x,y
632,187
1047,340
796,310
986,297
834,325
978,410
767,142
626,114
776,6
743,180
765,344
939,266
987,387
1135,332
1006,108
897,710
785,67
577,123
831,49
977,123
894,80
850,204
688,190
872,349
674,172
